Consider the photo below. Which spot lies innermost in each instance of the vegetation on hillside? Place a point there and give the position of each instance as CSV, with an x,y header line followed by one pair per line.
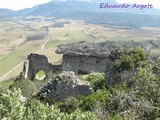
x,y
13,106
125,59
139,101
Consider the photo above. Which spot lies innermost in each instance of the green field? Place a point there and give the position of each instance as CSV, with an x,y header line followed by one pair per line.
x,y
9,61
73,32
67,36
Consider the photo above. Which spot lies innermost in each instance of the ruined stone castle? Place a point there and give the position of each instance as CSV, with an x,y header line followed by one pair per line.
x,y
82,58
35,63
76,62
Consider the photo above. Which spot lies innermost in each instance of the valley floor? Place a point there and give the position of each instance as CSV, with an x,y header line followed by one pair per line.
x,y
22,36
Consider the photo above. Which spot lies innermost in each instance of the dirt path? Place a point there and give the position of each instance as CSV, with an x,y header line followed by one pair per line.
x,y
5,75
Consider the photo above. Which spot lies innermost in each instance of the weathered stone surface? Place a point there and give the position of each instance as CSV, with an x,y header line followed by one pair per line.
x,y
65,85
107,46
84,63
35,63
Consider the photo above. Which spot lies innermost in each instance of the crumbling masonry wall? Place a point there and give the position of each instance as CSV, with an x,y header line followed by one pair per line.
x,y
80,63
65,85
36,62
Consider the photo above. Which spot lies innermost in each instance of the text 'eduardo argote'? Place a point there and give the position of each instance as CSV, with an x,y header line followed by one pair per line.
x,y
125,5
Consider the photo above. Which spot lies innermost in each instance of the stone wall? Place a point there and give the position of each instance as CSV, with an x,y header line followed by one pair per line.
x,y
109,71
81,63
64,85
36,62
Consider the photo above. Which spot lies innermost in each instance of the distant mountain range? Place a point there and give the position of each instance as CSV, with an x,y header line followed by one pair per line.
x,y
91,12
7,12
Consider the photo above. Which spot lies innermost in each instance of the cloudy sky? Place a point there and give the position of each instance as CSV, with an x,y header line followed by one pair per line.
x,y
20,4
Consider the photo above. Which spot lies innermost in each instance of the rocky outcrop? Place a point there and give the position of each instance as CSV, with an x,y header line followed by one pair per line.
x,y
108,46
64,85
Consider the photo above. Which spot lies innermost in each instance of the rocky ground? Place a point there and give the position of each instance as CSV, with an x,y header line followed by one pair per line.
x,y
64,85
107,46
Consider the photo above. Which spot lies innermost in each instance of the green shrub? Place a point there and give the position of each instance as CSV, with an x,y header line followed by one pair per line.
x,y
68,105
124,63
142,101
147,84
127,59
114,117
138,54
57,72
13,107
27,87
4,85
39,111
89,102
97,80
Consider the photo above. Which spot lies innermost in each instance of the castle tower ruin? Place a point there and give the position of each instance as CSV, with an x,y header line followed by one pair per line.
x,y
34,63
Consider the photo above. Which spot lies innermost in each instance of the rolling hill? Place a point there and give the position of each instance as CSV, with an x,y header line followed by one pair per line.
x,y
90,12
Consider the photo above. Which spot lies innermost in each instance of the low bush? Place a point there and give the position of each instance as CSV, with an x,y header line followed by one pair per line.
x,y
97,80
57,72
89,102
4,85
13,107
124,63
27,87
68,105
126,59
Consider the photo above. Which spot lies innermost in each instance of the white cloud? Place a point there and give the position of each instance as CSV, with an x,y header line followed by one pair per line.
x,y
20,4
156,3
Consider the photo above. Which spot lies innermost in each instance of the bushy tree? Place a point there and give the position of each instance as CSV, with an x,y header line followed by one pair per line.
x,y
13,106
138,54
124,63
27,87
126,59
141,101
68,105
147,88
100,96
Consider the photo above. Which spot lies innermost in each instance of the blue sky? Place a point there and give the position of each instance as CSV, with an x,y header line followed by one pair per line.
x,y
20,4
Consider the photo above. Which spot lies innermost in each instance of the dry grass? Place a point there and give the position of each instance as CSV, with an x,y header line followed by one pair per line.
x,y
15,49
52,56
